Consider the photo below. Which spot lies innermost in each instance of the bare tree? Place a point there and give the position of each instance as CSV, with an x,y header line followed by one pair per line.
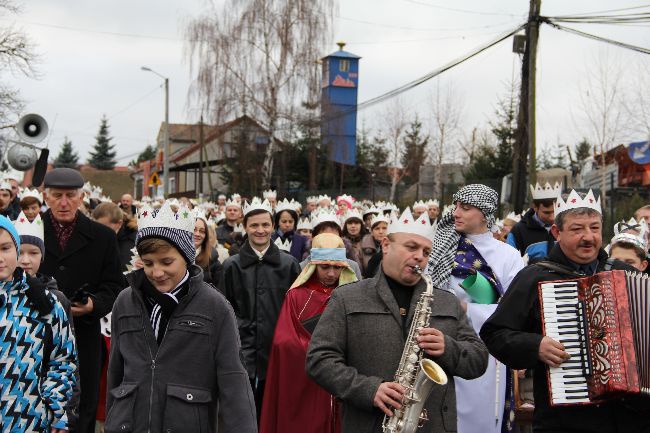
x,y
395,123
258,56
602,110
17,57
446,110
637,101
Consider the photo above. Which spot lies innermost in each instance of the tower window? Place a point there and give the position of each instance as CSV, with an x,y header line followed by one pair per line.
x,y
344,65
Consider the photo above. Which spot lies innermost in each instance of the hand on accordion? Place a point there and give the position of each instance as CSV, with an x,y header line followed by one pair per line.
x,y
552,352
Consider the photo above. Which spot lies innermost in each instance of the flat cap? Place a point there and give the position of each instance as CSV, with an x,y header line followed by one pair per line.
x,y
66,178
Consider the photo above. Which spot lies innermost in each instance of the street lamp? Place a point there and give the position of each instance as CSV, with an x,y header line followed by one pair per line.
x,y
165,184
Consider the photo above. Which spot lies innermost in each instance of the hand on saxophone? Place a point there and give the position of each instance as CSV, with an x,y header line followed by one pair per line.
x,y
389,395
432,341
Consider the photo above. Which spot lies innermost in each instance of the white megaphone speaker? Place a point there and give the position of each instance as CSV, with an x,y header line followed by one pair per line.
x,y
31,129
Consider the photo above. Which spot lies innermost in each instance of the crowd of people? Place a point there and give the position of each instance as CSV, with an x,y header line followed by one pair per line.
x,y
261,314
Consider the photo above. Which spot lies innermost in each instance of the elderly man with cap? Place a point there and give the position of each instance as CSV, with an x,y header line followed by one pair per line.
x,y
357,345
82,256
467,261
294,403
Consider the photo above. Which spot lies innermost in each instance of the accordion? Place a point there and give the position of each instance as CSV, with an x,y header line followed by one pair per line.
x,y
603,321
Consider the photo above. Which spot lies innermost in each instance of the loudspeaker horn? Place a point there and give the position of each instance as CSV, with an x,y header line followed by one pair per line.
x,y
32,128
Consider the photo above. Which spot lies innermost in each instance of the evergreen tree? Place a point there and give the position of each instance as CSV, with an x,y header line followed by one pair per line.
x,y
67,157
147,154
103,155
414,156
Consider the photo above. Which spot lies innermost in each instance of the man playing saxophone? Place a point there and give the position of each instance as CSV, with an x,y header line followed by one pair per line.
x,y
356,348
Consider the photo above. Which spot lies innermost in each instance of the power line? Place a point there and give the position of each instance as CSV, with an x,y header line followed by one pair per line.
x,y
465,11
442,38
598,38
607,11
424,29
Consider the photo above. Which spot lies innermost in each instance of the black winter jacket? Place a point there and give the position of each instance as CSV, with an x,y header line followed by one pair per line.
x,y
256,288
513,335
179,385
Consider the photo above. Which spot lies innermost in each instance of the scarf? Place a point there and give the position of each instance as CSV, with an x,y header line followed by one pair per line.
x,y
162,305
445,243
63,231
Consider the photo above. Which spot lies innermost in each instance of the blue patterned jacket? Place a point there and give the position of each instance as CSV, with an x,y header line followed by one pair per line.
x,y
37,362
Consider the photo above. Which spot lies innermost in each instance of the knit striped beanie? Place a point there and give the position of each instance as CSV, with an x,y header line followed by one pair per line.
x,y
177,228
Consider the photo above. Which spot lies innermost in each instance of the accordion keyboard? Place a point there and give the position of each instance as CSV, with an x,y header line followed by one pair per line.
x,y
563,315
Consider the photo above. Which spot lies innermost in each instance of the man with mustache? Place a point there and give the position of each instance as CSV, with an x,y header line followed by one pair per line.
x,y
513,334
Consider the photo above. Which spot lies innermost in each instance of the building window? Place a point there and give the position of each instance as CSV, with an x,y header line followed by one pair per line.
x,y
344,65
172,185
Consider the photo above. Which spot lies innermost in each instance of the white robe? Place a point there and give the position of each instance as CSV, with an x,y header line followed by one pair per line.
x,y
478,402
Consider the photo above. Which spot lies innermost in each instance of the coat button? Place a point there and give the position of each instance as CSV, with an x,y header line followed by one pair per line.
x,y
123,427
464,353
122,392
444,408
61,268
189,397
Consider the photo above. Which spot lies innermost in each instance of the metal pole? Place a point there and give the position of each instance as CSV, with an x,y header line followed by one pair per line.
x,y
200,192
166,150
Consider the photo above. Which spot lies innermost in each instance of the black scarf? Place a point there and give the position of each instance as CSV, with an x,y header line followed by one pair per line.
x,y
161,306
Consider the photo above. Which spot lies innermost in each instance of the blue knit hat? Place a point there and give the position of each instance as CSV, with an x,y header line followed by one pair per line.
x,y
5,223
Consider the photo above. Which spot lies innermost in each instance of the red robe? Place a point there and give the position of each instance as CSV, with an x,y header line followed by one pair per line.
x,y
293,403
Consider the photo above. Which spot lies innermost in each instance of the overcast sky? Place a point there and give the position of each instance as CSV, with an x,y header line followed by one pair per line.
x,y
92,53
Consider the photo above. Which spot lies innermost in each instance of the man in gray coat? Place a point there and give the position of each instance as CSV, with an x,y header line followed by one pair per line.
x,y
356,348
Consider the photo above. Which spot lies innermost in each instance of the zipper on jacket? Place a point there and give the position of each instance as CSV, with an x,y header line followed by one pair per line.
x,y
153,373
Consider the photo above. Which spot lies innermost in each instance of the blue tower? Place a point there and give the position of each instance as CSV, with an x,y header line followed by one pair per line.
x,y
339,105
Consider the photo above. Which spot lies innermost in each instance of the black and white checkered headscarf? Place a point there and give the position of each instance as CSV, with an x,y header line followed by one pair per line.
x,y
445,243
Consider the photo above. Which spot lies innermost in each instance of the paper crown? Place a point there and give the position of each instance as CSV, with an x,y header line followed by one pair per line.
x,y
146,199
268,194
221,196
353,213
448,208
433,202
88,187
239,228
378,219
324,197
285,204
312,199
389,207
32,193
546,192
420,204
304,224
640,227
13,175
199,214
257,204
236,198
346,199
574,201
371,209
513,217
165,217
219,217
324,216
26,228
233,203
4,184
406,224
283,245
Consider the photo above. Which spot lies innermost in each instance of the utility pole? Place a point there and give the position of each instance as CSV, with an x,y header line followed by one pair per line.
x,y
525,139
200,192
166,188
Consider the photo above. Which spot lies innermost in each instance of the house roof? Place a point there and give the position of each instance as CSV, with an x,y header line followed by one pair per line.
x,y
185,132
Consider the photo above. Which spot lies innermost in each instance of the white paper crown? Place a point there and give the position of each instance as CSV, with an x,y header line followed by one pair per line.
x,y
447,208
406,224
304,224
420,204
268,194
324,216
13,175
513,217
312,199
285,204
324,197
233,203
146,199
632,224
219,217
32,193
379,218
433,202
284,246
574,201
236,198
546,192
26,228
389,207
372,209
346,198
183,219
4,184
257,204
354,213
239,228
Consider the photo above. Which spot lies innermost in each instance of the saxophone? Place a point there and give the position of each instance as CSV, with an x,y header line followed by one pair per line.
x,y
416,374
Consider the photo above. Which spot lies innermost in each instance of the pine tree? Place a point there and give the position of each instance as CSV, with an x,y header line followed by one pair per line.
x,y
67,157
414,156
103,155
147,154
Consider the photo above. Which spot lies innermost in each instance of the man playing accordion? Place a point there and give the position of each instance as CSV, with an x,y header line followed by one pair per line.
x,y
513,334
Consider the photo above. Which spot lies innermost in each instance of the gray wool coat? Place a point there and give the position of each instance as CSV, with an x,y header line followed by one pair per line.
x,y
358,344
